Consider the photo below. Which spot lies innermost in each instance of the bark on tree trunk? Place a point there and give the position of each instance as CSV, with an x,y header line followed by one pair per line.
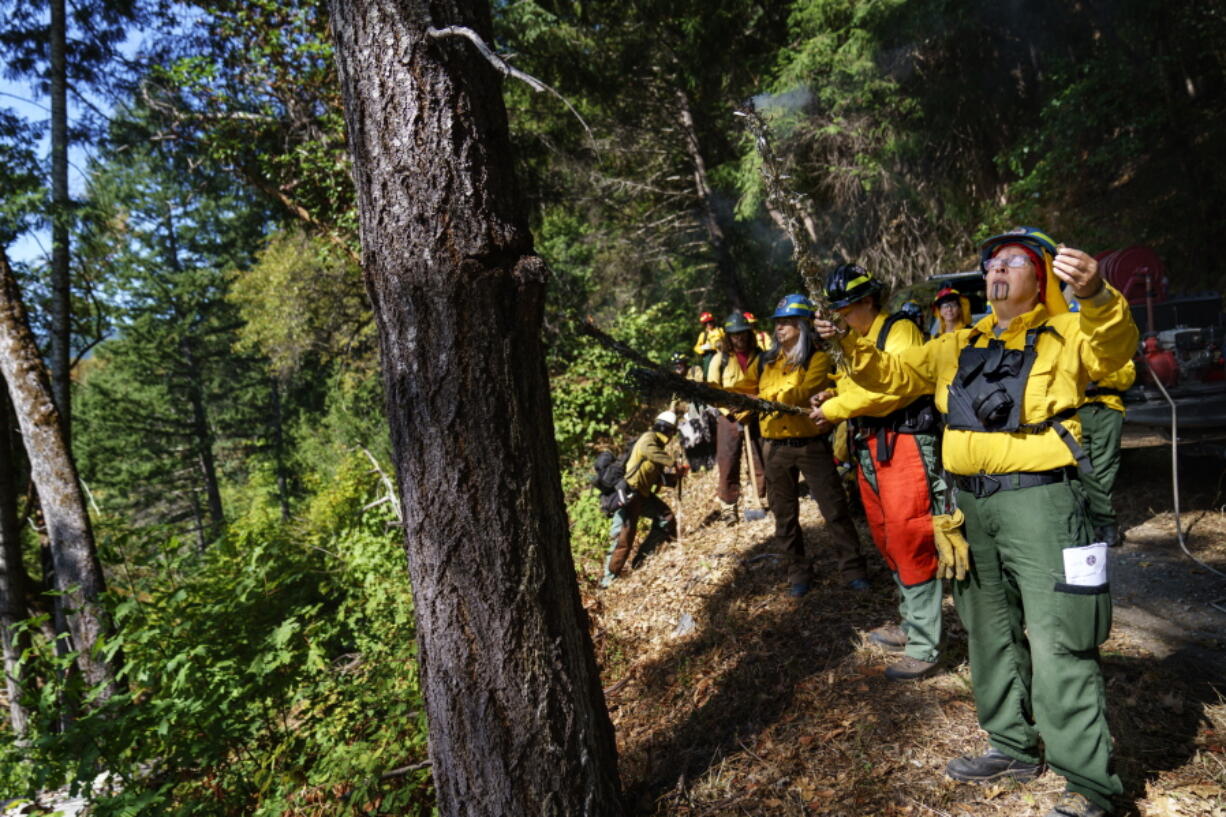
x,y
518,724
198,518
12,575
78,575
61,315
203,437
711,220
278,442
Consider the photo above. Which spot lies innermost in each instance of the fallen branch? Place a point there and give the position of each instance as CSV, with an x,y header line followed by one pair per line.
x,y
655,379
930,808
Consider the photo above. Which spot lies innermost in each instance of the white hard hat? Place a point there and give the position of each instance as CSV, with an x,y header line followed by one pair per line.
x,y
668,417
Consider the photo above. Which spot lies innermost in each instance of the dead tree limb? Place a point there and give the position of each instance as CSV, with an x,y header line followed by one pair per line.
x,y
653,378
506,69
790,208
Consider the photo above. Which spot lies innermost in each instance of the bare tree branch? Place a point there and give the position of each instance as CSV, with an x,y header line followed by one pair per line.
x,y
507,70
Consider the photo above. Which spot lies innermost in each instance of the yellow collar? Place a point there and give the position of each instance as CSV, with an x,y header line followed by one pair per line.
x,y
1027,320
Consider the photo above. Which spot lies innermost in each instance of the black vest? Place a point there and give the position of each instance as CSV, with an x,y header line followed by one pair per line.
x,y
988,392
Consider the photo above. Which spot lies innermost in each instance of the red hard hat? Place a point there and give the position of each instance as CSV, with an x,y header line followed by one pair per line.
x,y
749,316
947,292
706,317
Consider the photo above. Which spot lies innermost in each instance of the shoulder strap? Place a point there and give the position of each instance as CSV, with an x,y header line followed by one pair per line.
x,y
887,326
1032,334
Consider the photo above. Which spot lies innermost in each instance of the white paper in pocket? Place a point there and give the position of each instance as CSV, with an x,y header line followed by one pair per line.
x,y
1086,566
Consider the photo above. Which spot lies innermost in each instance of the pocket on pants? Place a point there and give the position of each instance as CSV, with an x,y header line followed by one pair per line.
x,y
1084,615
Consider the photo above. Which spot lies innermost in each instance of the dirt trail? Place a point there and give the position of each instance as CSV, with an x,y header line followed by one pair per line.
x,y
730,698
1164,599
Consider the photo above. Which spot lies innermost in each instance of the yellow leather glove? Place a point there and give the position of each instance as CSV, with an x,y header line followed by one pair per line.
x,y
953,552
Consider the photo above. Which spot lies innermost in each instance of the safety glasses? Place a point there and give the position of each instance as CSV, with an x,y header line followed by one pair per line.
x,y
1012,262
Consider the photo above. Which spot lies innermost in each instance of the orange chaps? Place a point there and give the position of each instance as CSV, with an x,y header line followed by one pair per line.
x,y
899,510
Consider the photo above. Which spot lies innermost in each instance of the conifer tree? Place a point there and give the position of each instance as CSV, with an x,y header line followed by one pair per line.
x,y
518,724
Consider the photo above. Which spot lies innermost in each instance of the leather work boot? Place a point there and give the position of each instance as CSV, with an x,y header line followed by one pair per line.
x,y
909,669
1110,534
728,513
890,636
1072,804
994,765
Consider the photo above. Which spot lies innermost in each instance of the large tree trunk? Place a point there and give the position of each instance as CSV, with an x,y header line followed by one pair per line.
x,y
518,724
12,574
61,205
78,575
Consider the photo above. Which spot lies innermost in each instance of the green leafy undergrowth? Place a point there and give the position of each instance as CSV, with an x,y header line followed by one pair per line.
x,y
589,527
274,674
592,395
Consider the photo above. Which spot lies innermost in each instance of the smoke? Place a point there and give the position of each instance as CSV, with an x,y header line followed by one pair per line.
x,y
791,101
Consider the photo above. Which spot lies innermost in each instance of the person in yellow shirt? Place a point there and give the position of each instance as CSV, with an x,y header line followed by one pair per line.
x,y
791,372
708,340
737,355
763,337
952,310
892,440
1035,601
646,469
1102,424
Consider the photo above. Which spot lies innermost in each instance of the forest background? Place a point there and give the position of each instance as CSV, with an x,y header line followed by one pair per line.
x,y
226,410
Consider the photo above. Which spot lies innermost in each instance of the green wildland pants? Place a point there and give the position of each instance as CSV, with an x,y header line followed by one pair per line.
x,y
1101,428
1032,639
919,607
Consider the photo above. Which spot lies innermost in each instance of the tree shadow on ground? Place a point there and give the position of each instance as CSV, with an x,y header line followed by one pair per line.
x,y
1157,712
1158,589
775,706
763,647
791,706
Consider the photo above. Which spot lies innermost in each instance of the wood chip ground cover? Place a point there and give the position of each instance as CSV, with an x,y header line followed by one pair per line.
x,y
731,698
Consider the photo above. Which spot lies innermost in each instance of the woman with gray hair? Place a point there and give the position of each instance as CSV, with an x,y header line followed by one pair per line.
x,y
792,371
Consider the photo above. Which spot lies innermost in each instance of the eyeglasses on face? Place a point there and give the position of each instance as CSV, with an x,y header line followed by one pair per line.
x,y
1012,262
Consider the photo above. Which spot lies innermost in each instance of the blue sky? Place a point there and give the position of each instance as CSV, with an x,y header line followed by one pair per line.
x,y
21,97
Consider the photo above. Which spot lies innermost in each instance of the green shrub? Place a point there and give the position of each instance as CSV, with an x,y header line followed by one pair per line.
x,y
592,395
274,674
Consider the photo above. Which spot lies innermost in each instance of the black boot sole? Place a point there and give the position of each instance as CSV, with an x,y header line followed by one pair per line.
x,y
1020,775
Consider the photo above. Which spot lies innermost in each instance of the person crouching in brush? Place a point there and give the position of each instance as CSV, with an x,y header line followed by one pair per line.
x,y
792,371
648,467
